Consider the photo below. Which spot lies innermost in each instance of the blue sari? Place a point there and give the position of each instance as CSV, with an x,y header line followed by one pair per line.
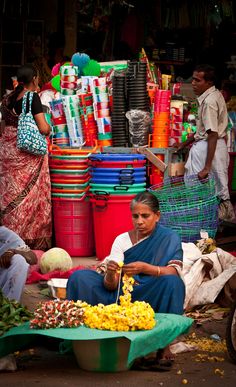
x,y
165,293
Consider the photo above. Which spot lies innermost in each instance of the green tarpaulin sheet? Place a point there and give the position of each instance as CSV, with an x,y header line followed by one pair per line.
x,y
168,328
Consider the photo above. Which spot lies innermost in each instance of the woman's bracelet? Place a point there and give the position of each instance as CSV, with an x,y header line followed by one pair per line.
x,y
158,271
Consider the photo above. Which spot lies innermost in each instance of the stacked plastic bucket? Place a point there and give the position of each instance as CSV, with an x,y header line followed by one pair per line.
x,y
88,122
72,211
161,119
161,129
116,179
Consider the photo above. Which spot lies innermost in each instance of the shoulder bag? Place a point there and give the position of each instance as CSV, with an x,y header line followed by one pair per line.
x,y
29,138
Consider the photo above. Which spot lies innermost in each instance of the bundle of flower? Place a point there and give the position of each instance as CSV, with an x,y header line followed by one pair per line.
x,y
58,314
126,316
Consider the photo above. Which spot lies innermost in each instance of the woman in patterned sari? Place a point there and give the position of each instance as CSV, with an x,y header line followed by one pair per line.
x,y
25,192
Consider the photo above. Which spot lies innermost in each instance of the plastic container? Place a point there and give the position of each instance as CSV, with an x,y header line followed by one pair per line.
x,y
105,355
160,141
118,189
117,164
123,180
111,217
73,225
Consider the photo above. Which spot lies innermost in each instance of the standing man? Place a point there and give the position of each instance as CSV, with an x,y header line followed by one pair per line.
x,y
209,153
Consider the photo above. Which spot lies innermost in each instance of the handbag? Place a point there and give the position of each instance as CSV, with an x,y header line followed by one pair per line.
x,y
29,138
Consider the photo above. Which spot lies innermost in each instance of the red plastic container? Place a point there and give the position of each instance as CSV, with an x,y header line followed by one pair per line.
x,y
111,217
73,226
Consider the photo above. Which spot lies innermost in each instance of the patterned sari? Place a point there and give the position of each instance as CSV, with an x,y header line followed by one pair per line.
x,y
25,191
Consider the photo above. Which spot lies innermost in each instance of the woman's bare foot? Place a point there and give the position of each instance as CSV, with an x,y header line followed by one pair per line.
x,y
165,359
167,354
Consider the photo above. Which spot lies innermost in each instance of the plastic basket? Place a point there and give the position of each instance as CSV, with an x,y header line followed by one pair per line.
x,y
73,225
188,205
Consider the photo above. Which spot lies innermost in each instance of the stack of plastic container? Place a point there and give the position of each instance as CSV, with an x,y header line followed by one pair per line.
x,y
72,211
176,127
160,130
68,79
72,113
102,113
161,119
59,124
89,125
116,179
120,135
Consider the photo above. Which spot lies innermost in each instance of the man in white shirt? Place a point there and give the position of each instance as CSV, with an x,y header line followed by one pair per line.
x,y
209,153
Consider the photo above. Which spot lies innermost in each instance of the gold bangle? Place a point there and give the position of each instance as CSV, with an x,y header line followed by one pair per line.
x,y
158,271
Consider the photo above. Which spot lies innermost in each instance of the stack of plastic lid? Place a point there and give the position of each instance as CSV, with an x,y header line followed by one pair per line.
x,y
161,119
118,119
116,179
89,124
68,79
59,125
136,80
102,111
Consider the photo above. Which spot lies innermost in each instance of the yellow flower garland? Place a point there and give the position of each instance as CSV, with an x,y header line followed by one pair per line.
x,y
127,316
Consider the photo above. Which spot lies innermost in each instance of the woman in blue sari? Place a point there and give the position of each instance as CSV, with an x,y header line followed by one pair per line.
x,y
152,254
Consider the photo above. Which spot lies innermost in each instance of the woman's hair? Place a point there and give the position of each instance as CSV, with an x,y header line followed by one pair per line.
x,y
146,198
25,75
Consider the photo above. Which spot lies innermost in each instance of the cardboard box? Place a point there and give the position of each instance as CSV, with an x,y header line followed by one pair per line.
x,y
176,169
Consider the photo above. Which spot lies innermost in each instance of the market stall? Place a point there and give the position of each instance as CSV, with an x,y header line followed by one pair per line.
x,y
128,108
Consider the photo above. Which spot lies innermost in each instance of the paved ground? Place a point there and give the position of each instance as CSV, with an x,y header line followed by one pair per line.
x,y
44,366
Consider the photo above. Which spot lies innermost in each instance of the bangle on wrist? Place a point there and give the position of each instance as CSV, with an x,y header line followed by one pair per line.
x,y
158,271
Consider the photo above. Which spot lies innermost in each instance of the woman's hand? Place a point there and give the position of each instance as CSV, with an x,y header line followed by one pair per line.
x,y
113,266
134,268
111,278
